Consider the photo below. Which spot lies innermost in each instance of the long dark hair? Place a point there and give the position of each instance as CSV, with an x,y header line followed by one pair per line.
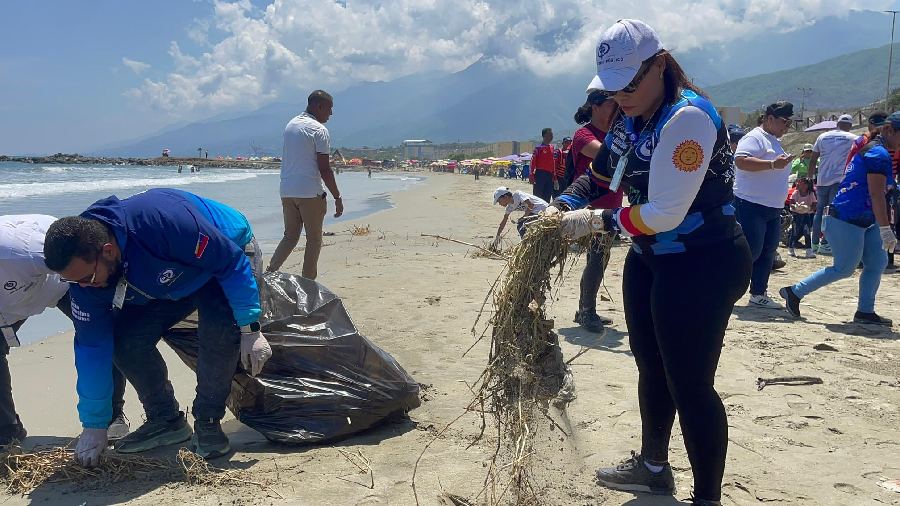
x,y
675,80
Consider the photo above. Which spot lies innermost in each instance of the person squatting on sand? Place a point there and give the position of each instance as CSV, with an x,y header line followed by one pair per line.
x,y
689,262
138,266
857,227
28,288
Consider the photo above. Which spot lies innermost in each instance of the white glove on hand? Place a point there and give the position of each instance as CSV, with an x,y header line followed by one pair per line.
x,y
255,351
496,243
888,239
90,445
550,211
577,224
556,185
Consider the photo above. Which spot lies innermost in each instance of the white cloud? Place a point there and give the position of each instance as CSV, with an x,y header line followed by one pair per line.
x,y
293,46
138,67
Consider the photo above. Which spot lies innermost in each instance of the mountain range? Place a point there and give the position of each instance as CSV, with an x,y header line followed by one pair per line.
x,y
488,102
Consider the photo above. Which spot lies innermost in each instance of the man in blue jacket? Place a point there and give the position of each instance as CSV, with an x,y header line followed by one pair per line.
x,y
139,266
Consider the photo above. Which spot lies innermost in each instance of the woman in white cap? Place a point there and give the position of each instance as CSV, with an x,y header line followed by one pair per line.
x,y
517,201
689,262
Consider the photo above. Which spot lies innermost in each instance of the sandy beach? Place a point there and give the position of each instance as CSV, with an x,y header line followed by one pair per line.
x,y
417,297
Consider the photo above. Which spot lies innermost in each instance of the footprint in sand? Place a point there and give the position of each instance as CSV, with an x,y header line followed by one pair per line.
x,y
797,403
848,488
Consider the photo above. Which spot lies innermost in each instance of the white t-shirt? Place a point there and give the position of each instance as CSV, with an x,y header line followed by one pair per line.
x,y
304,139
766,187
518,203
833,147
27,286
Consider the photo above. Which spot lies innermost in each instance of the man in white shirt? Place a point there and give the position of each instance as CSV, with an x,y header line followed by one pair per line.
x,y
760,189
826,167
27,287
305,166
517,201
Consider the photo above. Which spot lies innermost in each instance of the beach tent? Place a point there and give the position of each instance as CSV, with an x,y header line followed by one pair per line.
x,y
824,125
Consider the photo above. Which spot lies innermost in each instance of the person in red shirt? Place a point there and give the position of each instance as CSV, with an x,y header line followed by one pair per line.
x,y
596,115
561,166
543,167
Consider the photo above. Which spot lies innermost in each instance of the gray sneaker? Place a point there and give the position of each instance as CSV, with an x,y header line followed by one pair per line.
x,y
154,434
209,441
118,428
633,476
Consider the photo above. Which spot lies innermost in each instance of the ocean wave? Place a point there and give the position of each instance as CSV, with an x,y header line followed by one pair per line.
x,y
19,190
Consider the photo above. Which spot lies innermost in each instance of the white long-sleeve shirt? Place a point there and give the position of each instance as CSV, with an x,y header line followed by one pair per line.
x,y
27,286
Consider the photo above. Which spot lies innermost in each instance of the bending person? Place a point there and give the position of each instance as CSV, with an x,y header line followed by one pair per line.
x,y
689,262
139,266
858,228
516,201
29,288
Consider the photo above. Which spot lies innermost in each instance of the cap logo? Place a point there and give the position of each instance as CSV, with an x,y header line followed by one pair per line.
x,y
602,50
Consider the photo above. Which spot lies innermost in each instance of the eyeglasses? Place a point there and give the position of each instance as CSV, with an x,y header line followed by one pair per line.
x,y
638,78
87,280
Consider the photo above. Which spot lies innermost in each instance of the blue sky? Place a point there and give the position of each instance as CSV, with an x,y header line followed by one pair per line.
x,y
75,76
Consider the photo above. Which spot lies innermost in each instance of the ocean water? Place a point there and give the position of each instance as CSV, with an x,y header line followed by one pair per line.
x,y
66,190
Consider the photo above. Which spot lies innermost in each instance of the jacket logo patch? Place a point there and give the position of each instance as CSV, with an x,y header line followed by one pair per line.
x,y
10,286
166,276
644,149
202,242
688,156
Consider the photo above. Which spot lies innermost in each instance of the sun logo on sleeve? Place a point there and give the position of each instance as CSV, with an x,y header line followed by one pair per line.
x,y
688,156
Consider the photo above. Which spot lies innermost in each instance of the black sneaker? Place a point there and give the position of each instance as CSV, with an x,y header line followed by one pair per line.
x,y
591,321
791,301
704,502
871,319
209,441
632,475
16,433
154,434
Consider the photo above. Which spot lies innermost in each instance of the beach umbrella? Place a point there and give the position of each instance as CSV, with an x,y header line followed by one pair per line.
x,y
824,125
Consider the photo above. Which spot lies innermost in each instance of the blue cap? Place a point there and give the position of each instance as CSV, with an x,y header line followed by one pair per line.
x,y
894,120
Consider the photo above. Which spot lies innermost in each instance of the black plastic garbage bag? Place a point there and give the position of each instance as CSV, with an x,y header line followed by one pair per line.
x,y
324,381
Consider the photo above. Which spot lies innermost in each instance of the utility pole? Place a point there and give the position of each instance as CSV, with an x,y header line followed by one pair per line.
x,y
803,93
887,93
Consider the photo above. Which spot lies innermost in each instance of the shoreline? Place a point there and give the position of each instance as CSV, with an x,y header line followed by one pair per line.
x,y
417,298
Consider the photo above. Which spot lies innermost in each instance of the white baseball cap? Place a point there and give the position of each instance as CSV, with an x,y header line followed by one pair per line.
x,y
621,50
499,192
845,118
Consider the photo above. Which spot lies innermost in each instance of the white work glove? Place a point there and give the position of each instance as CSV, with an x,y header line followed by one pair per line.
x,y
556,185
577,224
91,444
255,350
888,239
550,211
496,243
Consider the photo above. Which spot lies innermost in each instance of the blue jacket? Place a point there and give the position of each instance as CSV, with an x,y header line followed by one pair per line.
x,y
172,243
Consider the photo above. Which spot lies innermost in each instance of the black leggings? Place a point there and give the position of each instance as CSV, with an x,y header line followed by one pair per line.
x,y
677,308
592,277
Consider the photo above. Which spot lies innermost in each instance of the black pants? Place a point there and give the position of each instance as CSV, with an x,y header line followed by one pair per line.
x,y
138,331
801,227
9,419
543,185
677,308
592,277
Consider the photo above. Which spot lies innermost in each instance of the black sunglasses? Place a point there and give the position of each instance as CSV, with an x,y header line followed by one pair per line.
x,y
638,78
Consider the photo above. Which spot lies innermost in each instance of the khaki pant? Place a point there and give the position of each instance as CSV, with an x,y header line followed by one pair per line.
x,y
300,214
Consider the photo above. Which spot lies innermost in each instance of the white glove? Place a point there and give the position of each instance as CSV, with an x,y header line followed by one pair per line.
x,y
90,445
577,224
888,239
496,243
550,211
556,185
255,350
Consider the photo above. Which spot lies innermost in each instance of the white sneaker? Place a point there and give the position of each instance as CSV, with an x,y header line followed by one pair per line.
x,y
764,301
810,253
791,252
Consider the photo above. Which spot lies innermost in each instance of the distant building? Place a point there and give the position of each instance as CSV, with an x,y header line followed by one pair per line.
x,y
732,115
506,148
418,150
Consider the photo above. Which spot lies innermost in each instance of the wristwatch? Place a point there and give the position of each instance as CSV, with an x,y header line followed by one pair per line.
x,y
253,327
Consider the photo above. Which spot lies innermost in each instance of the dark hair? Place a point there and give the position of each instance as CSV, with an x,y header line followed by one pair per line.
x,y
73,236
546,131
675,80
806,180
583,114
319,96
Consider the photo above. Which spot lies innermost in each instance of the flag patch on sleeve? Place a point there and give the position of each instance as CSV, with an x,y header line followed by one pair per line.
x,y
202,242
